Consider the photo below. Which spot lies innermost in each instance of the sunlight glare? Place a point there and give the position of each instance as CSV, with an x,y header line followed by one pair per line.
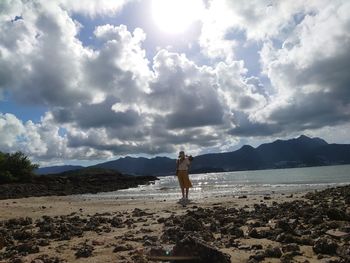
x,y
176,16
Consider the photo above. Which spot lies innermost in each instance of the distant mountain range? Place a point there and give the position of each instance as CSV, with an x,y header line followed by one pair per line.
x,y
299,152
58,169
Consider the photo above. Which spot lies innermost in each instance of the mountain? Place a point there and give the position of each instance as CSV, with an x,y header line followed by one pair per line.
x,y
57,169
141,166
298,152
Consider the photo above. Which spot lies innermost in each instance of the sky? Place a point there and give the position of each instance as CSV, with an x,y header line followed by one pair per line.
x,y
83,82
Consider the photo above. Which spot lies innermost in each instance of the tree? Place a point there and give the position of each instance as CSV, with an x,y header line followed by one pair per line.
x,y
15,167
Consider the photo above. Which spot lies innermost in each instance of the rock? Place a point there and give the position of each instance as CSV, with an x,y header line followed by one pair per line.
x,y
232,230
273,252
253,233
28,247
16,260
138,213
257,247
344,251
192,246
139,258
43,242
2,242
325,246
191,224
287,257
161,220
22,235
84,251
258,256
337,234
290,248
282,224
22,221
98,242
148,243
119,248
117,222
316,220
286,238
336,214
47,259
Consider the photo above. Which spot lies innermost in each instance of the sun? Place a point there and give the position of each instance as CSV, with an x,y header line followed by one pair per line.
x,y
175,16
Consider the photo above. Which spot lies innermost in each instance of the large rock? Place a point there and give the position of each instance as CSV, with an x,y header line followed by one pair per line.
x,y
191,224
191,246
325,246
336,214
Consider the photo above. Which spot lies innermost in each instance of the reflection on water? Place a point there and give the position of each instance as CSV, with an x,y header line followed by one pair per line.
x,y
237,183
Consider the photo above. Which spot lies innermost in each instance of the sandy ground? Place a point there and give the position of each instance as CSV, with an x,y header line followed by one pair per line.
x,y
36,207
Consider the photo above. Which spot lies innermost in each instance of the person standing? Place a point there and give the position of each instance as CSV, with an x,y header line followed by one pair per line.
x,y
182,166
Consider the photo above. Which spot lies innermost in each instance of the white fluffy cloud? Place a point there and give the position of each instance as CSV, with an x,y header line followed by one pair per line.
x,y
305,55
111,99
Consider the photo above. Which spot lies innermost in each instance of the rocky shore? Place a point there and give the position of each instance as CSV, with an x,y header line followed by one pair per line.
x,y
76,182
314,227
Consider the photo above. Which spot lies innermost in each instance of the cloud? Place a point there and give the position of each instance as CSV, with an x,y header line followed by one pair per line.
x,y
305,55
10,129
309,72
111,99
42,64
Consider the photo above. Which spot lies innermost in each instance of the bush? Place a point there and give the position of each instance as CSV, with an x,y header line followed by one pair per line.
x,y
15,167
6,177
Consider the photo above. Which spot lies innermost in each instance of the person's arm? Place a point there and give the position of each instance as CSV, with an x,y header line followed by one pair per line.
x,y
188,162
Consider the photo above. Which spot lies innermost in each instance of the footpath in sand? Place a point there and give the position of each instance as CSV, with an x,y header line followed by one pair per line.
x,y
306,227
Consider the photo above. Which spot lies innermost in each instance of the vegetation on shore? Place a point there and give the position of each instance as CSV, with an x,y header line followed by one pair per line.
x,y
16,167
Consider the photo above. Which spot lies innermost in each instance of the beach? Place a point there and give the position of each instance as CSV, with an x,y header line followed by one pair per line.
x,y
302,227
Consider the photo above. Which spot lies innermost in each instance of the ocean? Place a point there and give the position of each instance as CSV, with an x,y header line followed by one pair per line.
x,y
259,182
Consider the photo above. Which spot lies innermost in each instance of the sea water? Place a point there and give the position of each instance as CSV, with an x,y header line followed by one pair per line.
x,y
260,182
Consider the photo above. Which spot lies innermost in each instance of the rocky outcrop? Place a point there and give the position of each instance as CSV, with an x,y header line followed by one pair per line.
x,y
69,183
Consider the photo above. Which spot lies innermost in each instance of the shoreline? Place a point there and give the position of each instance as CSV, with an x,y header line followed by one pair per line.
x,y
242,227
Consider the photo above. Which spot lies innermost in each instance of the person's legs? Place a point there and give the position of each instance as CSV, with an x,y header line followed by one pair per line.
x,y
187,189
183,192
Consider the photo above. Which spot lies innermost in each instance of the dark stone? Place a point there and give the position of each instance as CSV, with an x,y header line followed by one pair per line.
x,y
287,257
119,248
232,230
117,222
22,221
325,246
253,233
43,242
47,259
344,251
138,213
258,256
84,251
192,246
290,247
191,224
16,260
336,214
28,247
282,224
273,252
316,220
